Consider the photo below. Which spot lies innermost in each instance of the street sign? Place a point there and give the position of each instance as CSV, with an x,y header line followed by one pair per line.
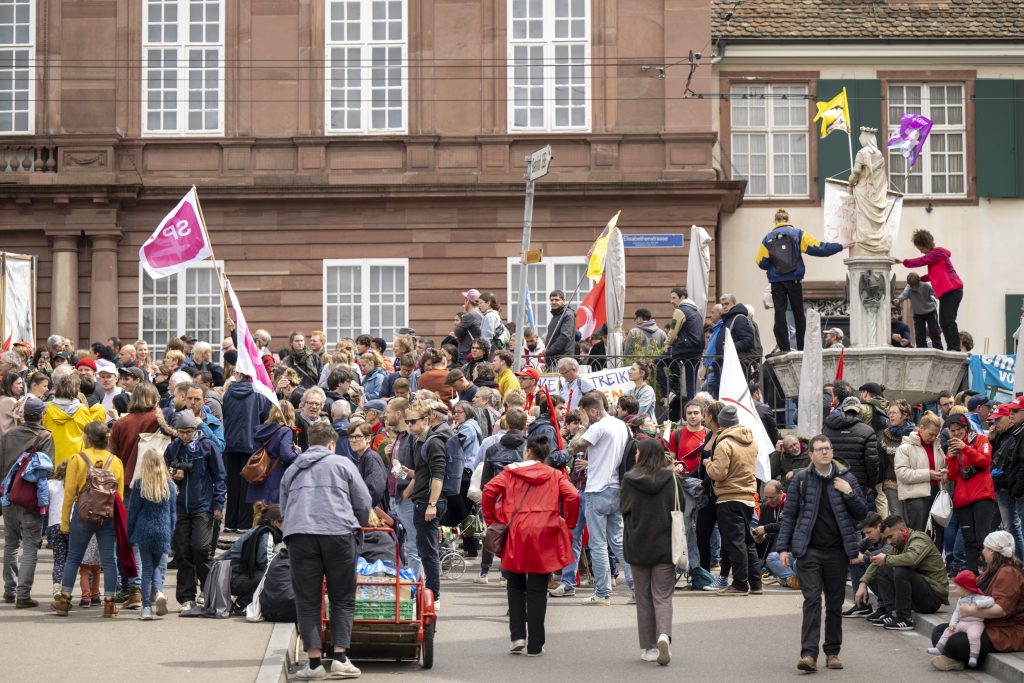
x,y
652,241
538,162
533,256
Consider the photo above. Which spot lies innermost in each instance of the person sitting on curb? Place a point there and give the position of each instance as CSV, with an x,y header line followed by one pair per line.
x,y
872,544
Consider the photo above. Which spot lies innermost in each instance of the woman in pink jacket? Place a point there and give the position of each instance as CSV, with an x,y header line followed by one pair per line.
x,y
947,284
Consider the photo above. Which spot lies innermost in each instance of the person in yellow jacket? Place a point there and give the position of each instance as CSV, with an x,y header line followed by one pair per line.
x,y
94,447
66,417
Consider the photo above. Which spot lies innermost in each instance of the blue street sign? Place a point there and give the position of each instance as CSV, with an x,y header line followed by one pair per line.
x,y
652,241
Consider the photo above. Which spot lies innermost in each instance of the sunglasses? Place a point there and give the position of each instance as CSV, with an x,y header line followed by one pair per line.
x,y
414,420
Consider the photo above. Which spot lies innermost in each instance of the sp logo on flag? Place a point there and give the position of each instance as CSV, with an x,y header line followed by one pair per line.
x,y
178,242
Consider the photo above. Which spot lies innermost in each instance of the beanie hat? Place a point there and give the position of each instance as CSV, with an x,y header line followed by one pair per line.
x,y
873,388
967,580
86,363
728,417
1000,542
231,357
33,409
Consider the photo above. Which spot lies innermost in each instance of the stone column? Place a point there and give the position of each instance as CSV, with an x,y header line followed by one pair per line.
x,y
64,286
870,292
103,321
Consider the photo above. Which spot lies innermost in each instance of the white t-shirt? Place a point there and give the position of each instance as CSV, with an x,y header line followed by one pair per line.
x,y
607,438
53,511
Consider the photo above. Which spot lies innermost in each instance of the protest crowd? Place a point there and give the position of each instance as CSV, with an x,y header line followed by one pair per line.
x,y
130,461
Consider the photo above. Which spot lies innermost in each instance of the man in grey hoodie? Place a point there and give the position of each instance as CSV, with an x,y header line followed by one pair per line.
x,y
324,502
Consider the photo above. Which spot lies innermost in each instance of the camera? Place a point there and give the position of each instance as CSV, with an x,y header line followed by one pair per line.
x,y
183,465
968,472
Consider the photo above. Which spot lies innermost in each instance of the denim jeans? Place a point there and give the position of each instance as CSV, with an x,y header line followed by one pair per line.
x,y
403,510
428,541
604,523
25,529
78,541
953,542
569,573
1009,511
774,565
153,566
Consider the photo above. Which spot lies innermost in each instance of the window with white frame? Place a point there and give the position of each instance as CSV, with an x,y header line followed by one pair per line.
x,y
188,302
367,71
548,65
17,66
183,67
941,169
365,296
769,138
555,272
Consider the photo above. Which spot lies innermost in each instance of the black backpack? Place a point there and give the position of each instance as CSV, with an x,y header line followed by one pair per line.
x,y
783,252
504,456
454,462
628,458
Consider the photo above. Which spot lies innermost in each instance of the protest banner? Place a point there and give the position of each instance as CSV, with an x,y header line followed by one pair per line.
x,y
993,376
840,215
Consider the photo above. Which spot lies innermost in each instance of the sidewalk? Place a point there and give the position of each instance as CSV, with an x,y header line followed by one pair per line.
x,y
35,641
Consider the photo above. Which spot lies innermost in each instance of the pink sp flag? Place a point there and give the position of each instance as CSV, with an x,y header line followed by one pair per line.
x,y
249,362
178,242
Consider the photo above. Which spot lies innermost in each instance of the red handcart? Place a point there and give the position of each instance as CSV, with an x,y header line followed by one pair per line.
x,y
401,629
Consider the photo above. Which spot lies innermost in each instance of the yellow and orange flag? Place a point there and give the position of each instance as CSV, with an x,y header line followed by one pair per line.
x,y
597,253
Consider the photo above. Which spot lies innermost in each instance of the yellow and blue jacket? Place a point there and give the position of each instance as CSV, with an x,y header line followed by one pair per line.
x,y
809,245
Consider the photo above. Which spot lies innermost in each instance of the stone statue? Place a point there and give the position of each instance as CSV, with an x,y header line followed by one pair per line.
x,y
873,290
869,184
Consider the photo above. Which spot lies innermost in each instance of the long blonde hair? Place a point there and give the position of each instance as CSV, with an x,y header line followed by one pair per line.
x,y
154,477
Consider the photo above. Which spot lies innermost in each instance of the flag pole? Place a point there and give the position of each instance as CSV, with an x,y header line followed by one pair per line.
x,y
216,268
849,126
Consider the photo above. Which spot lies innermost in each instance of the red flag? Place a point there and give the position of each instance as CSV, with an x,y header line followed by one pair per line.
x,y
592,315
839,365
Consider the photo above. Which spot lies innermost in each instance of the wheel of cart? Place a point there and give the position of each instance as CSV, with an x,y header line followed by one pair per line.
x,y
399,629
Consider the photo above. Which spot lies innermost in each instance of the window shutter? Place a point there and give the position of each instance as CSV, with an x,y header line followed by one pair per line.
x,y
865,98
999,115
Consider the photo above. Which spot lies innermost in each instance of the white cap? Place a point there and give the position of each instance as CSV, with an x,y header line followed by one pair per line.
x,y
103,365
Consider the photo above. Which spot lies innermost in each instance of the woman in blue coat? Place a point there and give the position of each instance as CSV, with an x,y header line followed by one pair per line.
x,y
278,435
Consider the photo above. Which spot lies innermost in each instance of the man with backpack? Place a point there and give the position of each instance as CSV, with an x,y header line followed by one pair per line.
x,y
426,490
684,344
781,254
195,464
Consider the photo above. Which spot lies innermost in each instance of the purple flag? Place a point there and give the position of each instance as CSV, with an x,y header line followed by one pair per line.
x,y
909,141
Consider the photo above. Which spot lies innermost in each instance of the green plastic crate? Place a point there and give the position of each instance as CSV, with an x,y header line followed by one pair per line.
x,y
383,609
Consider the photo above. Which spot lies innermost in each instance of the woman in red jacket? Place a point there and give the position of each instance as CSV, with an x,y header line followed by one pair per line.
x,y
527,496
947,284
968,459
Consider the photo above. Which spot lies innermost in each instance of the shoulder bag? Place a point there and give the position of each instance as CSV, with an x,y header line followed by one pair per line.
x,y
496,534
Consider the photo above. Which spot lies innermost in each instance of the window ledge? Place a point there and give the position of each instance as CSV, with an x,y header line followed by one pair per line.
x,y
940,201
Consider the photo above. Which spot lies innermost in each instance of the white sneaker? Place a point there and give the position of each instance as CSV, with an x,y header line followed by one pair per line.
x,y
632,598
307,674
187,605
344,669
595,599
649,655
664,655
481,579
517,647
535,654
562,591
437,606
146,614
161,604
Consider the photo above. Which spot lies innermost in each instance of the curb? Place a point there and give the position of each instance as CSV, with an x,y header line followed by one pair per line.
x,y
274,667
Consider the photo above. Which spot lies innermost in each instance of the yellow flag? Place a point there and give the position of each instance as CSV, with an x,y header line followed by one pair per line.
x,y
595,267
834,114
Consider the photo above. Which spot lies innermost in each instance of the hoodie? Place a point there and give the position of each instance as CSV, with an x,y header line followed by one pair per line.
x,y
470,437
647,502
66,419
244,410
646,334
510,449
323,494
732,467
941,273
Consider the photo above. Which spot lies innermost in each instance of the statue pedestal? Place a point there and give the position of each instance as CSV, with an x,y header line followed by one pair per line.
x,y
870,293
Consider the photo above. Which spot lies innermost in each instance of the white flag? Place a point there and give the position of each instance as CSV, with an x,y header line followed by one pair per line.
x,y
178,242
249,362
734,391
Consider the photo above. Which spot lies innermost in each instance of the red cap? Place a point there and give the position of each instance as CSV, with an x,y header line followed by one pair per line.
x,y
87,363
533,373
967,580
1002,411
1016,404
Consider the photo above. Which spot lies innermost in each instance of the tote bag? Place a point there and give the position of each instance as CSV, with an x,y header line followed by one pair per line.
x,y
680,555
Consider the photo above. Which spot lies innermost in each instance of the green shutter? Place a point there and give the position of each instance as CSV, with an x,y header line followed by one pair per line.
x,y
865,98
998,139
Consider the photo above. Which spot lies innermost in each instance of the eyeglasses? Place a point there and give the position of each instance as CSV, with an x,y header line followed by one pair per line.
x,y
414,420
823,449
313,404
357,437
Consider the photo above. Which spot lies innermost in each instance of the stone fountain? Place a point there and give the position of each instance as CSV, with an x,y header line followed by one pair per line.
x,y
909,373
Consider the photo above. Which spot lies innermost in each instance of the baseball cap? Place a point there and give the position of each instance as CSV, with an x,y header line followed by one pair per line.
x,y
471,295
188,339
186,419
376,404
1002,411
850,404
873,388
86,363
976,402
532,373
137,373
1016,404
103,365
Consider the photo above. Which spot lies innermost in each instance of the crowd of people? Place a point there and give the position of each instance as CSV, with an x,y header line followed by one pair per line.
x,y
131,465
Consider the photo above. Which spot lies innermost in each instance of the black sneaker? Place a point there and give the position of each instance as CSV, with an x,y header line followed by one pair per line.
x,y
879,620
854,612
895,624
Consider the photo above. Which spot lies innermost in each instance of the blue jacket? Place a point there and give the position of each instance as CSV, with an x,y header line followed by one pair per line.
x,y
281,448
709,355
373,384
203,489
150,524
801,510
36,472
690,340
210,426
244,410
808,245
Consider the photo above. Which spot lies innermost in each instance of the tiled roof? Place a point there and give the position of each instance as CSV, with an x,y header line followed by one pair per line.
x,y
871,19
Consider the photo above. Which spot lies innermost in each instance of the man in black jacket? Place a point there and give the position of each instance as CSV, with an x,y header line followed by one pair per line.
x,y
734,319
561,337
684,345
855,444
